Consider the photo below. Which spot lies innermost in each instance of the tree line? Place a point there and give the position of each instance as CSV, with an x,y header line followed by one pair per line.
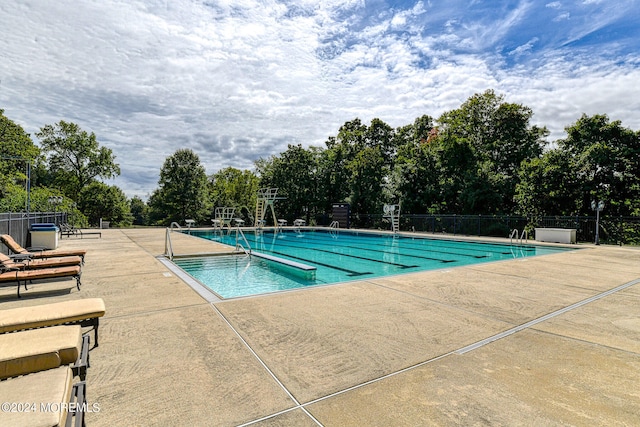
x,y
61,174
486,157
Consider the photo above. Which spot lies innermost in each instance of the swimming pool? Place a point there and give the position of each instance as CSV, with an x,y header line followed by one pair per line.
x,y
317,257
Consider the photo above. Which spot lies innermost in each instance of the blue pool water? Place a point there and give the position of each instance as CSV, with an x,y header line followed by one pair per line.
x,y
337,257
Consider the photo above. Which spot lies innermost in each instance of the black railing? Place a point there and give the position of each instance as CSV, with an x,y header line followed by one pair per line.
x,y
612,230
18,224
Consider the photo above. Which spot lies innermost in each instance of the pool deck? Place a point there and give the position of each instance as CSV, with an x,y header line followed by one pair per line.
x,y
383,352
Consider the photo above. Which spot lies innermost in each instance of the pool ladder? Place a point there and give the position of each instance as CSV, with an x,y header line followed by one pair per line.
x,y
168,247
240,233
334,227
519,240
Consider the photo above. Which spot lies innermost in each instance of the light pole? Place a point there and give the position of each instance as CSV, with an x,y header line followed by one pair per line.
x,y
55,201
597,206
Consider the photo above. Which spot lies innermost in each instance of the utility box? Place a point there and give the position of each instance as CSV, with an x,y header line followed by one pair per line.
x,y
341,213
556,235
45,235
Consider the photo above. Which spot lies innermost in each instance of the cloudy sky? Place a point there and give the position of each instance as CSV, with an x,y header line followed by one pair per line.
x,y
236,80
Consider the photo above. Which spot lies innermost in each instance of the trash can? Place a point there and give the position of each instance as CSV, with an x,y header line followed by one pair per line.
x,y
45,235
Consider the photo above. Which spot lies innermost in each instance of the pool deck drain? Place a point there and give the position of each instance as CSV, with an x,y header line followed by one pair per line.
x,y
388,351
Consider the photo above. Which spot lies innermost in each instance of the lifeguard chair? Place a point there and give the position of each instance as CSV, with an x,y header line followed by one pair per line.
x,y
392,212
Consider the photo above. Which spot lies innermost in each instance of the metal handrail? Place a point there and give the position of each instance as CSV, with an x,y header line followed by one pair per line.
x,y
513,232
239,232
519,239
334,227
168,247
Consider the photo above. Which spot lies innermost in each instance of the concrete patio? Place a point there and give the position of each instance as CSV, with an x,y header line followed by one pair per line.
x,y
381,352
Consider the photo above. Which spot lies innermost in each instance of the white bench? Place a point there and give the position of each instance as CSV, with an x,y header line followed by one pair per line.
x,y
556,235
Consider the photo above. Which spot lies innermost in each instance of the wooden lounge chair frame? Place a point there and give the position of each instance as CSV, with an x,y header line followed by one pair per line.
x,y
28,263
9,275
16,248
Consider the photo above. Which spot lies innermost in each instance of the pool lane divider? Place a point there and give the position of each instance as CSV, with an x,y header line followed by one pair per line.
x,y
436,249
413,247
417,256
404,266
334,267
369,259
290,245
437,244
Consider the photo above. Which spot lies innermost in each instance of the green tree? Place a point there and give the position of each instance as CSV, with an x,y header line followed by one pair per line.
x,y
548,186
484,142
101,201
139,211
605,157
294,173
415,178
333,176
183,190
75,157
234,188
357,165
457,166
381,136
14,201
18,157
368,174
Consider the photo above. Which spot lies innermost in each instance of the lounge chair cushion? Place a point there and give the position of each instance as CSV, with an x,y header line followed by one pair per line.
x,y
58,313
47,387
39,349
42,273
16,248
58,253
37,361
40,263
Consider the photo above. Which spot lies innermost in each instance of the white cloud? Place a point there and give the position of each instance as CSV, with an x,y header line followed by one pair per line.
x,y
239,80
522,49
562,17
